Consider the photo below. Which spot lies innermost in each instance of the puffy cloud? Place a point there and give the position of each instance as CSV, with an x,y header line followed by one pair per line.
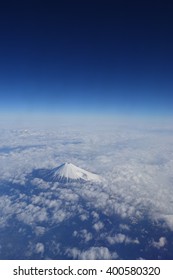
x,y
83,217
160,244
98,226
39,230
33,214
121,238
39,248
5,210
124,227
93,253
83,234
168,219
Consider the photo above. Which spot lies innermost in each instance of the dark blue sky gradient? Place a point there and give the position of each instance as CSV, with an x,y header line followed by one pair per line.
x,y
87,56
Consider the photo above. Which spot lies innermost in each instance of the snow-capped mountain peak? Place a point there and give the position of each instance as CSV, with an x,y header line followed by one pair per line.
x,y
68,172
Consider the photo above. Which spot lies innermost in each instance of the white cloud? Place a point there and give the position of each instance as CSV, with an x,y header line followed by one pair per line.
x,y
124,227
40,183
95,215
93,253
83,234
39,231
83,217
121,238
168,219
33,214
98,226
39,248
160,244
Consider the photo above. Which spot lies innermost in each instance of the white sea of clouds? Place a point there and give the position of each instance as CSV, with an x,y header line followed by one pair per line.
x,y
87,221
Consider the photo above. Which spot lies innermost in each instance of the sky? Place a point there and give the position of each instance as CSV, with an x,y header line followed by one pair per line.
x,y
104,57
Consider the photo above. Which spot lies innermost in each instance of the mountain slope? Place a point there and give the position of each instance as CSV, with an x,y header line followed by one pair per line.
x,y
68,172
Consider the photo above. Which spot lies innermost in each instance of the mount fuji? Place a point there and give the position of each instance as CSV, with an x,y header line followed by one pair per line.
x,y
67,172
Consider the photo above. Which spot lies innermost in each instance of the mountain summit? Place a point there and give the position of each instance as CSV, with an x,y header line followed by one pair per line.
x,y
67,172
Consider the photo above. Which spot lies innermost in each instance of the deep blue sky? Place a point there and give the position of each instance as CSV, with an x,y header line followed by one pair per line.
x,y
86,56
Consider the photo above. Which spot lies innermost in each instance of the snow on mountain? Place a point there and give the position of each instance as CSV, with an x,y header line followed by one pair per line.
x,y
68,172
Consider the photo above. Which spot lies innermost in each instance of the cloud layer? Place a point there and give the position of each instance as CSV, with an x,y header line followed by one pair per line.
x,y
130,208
